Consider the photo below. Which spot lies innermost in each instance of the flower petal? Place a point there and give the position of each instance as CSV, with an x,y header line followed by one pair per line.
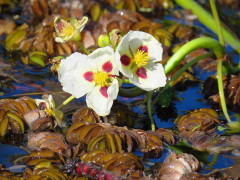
x,y
99,102
79,24
103,59
129,45
155,77
72,75
124,64
139,38
60,40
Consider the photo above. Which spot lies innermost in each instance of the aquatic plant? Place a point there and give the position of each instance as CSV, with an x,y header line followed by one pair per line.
x,y
93,75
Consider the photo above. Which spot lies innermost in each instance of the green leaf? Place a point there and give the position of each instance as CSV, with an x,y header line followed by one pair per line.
x,y
186,148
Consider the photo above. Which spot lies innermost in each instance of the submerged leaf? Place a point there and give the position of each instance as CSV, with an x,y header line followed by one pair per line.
x,y
183,147
166,97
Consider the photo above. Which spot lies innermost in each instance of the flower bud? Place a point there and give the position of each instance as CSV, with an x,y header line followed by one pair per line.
x,y
115,37
104,40
47,104
55,64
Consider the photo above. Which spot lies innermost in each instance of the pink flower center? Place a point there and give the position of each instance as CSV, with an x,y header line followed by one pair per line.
x,y
107,66
125,60
103,91
140,58
143,48
88,76
60,26
141,72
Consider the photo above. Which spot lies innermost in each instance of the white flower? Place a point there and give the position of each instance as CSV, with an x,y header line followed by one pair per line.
x,y
47,104
69,30
93,75
137,56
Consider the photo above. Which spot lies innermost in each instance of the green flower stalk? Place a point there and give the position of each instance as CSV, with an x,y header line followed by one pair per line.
x,y
149,110
205,18
85,50
220,61
203,42
179,72
217,22
65,102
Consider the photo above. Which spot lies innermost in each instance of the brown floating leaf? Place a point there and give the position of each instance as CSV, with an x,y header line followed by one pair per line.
x,y
216,144
231,86
7,175
176,165
230,3
44,170
207,64
83,132
149,7
182,32
167,135
85,114
39,120
12,112
53,141
121,115
43,155
198,120
123,164
7,26
103,136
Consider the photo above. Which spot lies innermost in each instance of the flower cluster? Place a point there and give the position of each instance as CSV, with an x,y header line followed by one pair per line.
x,y
137,57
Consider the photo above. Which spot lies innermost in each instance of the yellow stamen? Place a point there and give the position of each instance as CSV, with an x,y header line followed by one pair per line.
x,y
141,58
49,111
101,78
67,29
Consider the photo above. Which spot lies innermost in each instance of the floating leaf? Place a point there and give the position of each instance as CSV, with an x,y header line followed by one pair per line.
x,y
183,147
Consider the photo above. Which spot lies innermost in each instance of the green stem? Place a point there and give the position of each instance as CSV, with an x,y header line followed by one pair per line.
x,y
130,92
203,42
126,81
65,102
149,110
83,48
214,159
217,22
220,60
179,72
221,90
205,18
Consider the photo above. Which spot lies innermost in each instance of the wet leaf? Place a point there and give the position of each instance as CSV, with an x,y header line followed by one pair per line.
x,y
166,97
186,148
